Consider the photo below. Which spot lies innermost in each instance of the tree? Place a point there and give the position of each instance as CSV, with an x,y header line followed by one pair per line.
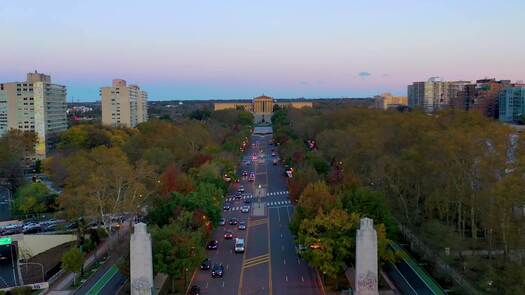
x,y
176,249
330,240
369,204
315,198
301,179
16,148
32,198
73,261
172,180
102,183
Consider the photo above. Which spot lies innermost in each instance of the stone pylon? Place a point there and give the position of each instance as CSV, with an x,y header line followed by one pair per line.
x,y
366,259
140,261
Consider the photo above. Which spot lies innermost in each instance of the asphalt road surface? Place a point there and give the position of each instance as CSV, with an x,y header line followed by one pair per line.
x,y
270,264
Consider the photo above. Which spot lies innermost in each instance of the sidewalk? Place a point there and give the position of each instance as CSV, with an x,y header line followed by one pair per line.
x,y
61,285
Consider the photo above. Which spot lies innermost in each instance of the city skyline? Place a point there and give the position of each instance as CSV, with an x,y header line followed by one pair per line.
x,y
240,50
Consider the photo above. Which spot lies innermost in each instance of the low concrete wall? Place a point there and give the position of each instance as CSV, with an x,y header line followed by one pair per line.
x,y
32,245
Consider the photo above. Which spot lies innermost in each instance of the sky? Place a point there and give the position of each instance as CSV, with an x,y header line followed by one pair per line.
x,y
180,49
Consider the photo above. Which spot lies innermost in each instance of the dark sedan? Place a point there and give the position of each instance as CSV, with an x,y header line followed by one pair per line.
x,y
217,271
205,264
213,245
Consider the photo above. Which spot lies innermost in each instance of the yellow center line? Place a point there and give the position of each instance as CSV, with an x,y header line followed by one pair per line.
x,y
255,258
256,263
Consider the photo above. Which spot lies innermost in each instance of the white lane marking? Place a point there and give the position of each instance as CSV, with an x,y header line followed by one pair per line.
x,y
206,285
281,236
223,284
302,279
282,248
298,261
227,265
279,216
284,260
287,278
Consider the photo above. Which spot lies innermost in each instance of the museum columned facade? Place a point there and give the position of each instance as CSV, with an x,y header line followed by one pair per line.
x,y
261,107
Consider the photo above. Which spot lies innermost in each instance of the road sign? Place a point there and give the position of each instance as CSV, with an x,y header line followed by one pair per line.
x,y
5,241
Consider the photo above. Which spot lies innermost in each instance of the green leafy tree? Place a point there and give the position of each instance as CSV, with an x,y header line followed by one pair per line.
x,y
16,147
175,249
369,204
73,261
33,198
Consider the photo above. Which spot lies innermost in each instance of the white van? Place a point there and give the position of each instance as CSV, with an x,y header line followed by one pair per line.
x,y
239,245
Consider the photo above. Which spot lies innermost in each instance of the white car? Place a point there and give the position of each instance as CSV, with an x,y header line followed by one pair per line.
x,y
239,245
245,209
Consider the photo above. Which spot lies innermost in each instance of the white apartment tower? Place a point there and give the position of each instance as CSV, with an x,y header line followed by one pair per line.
x,y
123,105
434,94
34,105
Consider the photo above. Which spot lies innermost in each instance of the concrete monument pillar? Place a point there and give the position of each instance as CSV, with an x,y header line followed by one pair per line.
x,y
366,259
140,261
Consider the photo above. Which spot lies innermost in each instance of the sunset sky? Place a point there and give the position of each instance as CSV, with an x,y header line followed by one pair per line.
x,y
240,49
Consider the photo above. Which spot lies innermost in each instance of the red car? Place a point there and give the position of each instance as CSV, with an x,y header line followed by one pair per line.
x,y
228,235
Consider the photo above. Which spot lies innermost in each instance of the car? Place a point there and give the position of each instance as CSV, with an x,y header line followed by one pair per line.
x,y
275,161
233,221
49,228
241,189
213,245
217,270
238,195
228,235
242,225
31,228
222,221
205,264
274,154
227,206
194,290
245,209
246,201
247,163
252,177
244,173
239,245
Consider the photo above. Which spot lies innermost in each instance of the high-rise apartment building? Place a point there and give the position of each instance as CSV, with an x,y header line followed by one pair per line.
x,y
434,94
512,104
123,105
481,96
387,101
34,105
